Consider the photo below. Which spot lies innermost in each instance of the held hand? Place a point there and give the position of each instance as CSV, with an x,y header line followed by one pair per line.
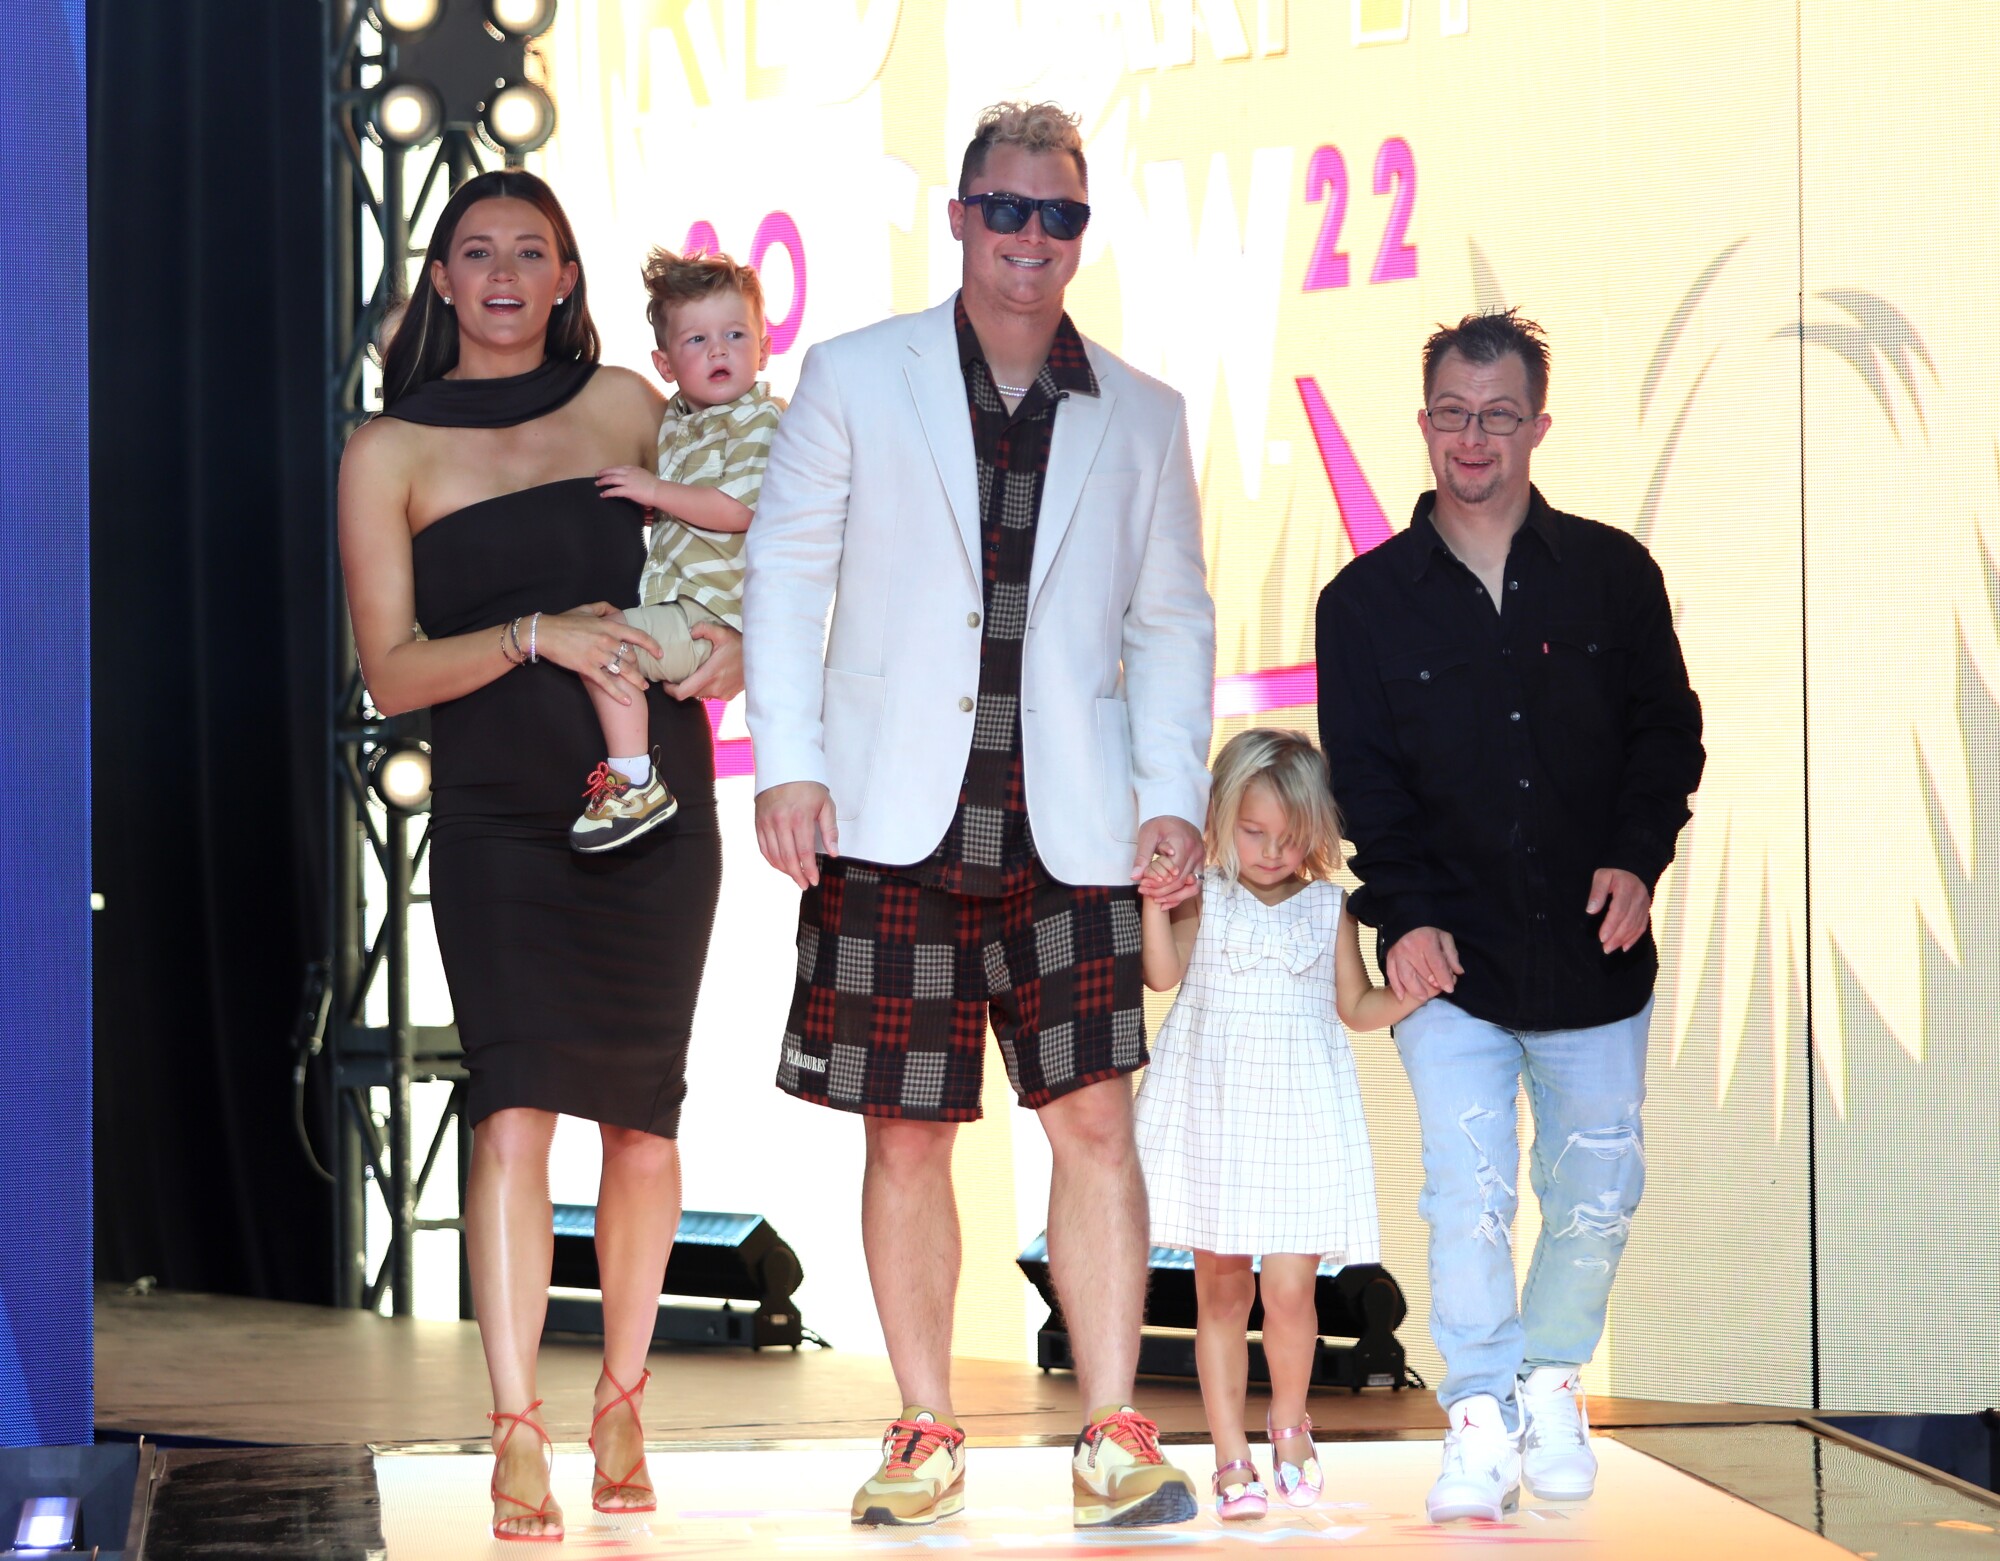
x,y
597,644
1630,912
628,482
787,816
1167,863
1423,963
719,677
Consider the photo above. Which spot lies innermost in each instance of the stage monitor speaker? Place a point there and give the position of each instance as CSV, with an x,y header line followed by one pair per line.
x,y
1360,1302
722,1258
103,1481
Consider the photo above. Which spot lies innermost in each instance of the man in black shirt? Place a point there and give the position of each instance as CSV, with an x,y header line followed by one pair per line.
x,y
1512,742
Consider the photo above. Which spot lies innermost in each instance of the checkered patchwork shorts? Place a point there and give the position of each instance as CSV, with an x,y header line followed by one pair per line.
x,y
896,981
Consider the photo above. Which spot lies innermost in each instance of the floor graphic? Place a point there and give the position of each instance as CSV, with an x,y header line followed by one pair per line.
x,y
794,1503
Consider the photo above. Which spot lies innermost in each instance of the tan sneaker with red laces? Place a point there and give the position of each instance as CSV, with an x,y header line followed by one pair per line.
x,y
1120,1479
618,811
922,1477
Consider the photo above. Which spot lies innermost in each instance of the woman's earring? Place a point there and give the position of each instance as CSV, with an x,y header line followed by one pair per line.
x,y
447,300
559,303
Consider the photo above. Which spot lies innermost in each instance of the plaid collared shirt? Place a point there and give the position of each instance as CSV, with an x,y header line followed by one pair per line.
x,y
988,849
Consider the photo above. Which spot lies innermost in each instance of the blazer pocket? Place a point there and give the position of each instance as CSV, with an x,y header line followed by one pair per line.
x,y
852,715
1119,797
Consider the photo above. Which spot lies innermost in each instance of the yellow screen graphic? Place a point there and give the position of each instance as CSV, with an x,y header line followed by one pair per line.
x,y
1761,241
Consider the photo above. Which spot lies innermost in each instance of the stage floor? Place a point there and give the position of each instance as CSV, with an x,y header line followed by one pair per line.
x,y
221,1369
294,1432
1718,1493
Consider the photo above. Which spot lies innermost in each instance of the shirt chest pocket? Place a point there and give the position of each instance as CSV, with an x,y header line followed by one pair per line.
x,y
1583,669
1431,701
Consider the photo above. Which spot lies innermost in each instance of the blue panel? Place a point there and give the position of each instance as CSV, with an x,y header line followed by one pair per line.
x,y
697,1227
45,1221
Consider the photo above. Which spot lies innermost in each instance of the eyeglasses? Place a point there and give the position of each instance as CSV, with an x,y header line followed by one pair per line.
x,y
1497,421
1005,213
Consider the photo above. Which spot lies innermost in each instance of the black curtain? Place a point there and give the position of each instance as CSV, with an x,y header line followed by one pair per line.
x,y
210,566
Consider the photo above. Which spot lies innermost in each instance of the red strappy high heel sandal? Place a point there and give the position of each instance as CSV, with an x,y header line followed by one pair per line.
x,y
547,1508
601,1483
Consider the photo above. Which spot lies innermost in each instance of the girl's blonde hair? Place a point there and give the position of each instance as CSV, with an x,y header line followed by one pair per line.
x,y
1293,768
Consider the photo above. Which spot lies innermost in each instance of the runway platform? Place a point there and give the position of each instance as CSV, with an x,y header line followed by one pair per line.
x,y
295,1431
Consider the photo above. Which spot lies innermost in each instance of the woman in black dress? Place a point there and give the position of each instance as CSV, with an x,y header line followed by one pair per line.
x,y
483,576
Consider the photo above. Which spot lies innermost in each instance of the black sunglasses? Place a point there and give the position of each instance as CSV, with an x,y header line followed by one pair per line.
x,y
1004,213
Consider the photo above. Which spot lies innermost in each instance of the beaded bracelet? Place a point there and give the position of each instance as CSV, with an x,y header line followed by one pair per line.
x,y
534,623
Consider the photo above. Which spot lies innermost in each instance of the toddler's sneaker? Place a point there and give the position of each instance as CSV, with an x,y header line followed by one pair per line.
x,y
1555,1436
1482,1464
922,1477
616,811
1120,1479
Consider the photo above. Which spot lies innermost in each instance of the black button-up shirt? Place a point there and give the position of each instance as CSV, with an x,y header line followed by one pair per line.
x,y
1488,763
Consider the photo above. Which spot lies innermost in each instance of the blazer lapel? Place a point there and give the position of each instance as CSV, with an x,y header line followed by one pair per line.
x,y
1080,425
937,385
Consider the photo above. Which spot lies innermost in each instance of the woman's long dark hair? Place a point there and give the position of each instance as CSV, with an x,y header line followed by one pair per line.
x,y
425,345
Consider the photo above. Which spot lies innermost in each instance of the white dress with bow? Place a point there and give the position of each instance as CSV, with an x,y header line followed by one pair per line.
x,y
1249,1121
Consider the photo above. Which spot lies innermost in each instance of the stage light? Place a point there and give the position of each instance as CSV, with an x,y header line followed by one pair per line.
x,y
521,18
721,1257
520,117
1360,1301
66,1500
399,773
407,113
408,18
48,1523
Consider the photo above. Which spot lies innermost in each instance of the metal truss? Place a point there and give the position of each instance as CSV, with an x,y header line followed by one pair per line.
x,y
375,195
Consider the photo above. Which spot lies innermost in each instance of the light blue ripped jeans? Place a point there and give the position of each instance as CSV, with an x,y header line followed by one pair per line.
x,y
1588,1168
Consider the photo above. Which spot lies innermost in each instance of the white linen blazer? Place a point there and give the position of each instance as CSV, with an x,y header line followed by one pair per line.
x,y
871,506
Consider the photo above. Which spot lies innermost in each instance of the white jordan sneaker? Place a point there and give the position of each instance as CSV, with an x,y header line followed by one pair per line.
x,y
1482,1464
1555,1435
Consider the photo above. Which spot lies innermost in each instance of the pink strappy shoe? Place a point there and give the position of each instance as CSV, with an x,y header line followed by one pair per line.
x,y
1299,1484
1242,1498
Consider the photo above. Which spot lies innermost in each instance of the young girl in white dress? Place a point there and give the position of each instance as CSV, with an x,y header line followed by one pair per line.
x,y
1249,1120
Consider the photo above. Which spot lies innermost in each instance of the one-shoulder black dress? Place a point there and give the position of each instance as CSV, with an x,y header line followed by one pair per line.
x,y
574,977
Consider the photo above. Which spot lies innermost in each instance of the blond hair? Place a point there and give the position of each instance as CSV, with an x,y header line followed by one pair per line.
x,y
1293,768
682,279
1034,127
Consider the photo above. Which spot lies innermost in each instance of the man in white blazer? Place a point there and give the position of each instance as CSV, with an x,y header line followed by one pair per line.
x,y
1004,721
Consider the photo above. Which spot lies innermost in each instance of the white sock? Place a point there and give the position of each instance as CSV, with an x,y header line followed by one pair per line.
x,y
637,770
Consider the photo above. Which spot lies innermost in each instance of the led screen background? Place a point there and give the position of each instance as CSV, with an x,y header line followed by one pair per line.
x,y
45,1262
1760,240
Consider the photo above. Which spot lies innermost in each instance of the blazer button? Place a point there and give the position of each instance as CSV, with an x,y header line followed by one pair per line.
x,y
965,704
972,620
